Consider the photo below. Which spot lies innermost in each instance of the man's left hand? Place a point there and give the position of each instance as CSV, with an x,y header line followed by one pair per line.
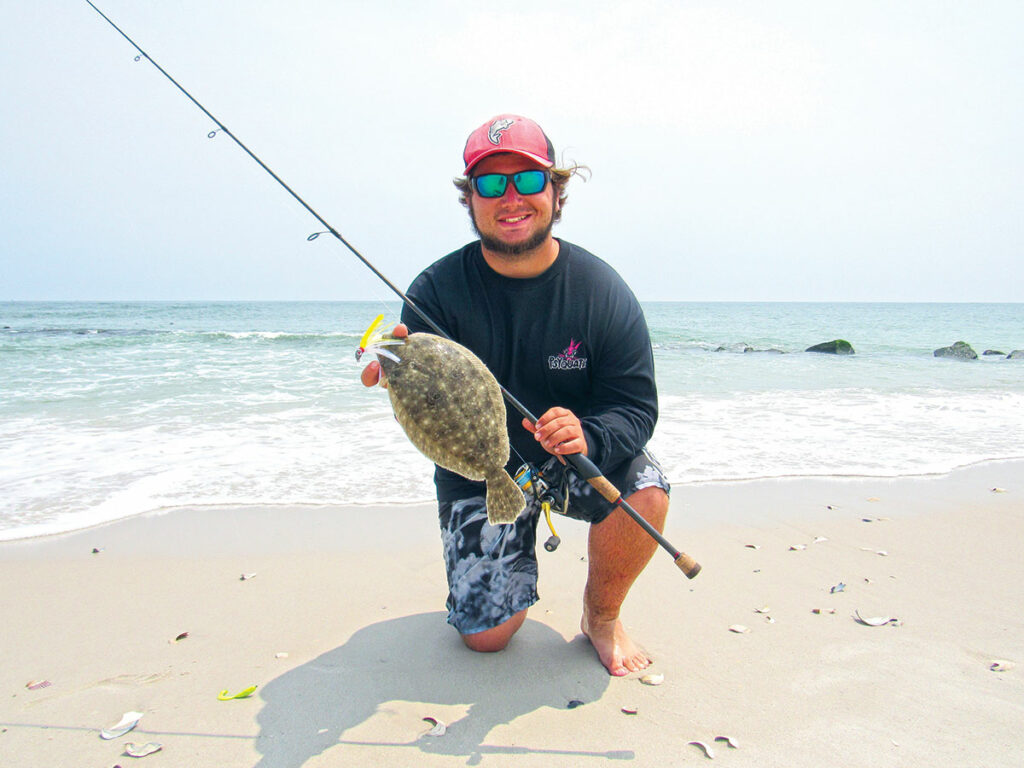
x,y
559,432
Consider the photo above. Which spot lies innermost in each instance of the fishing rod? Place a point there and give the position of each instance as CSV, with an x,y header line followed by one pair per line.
x,y
586,469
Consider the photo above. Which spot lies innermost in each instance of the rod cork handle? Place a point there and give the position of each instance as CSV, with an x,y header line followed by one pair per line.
x,y
687,565
589,472
605,488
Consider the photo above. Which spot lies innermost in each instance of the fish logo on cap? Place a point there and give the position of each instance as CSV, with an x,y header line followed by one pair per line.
x,y
497,128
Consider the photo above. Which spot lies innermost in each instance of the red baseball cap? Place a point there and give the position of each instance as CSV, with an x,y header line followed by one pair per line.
x,y
508,133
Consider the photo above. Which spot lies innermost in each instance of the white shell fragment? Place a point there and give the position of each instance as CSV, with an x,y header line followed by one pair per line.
x,y
840,587
765,609
819,539
247,576
128,721
797,547
439,729
733,744
652,679
281,655
708,751
874,621
1001,665
630,710
739,629
146,749
823,610
998,490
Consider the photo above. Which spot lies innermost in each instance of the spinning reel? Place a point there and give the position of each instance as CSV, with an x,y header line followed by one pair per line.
x,y
530,479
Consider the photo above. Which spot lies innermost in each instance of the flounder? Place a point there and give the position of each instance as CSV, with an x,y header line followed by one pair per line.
x,y
451,408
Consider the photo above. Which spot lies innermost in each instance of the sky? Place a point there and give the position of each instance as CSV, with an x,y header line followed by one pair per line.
x,y
739,151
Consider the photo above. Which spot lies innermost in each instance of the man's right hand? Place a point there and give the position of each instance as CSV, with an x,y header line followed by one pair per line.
x,y
372,374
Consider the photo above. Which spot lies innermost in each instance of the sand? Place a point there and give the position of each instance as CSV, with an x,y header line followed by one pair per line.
x,y
354,596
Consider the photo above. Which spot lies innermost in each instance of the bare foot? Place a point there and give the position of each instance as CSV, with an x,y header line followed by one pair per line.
x,y
619,654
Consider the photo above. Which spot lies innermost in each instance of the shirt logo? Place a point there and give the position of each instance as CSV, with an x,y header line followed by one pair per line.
x,y
497,128
567,360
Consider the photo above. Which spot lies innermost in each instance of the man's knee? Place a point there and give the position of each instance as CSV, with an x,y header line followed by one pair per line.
x,y
650,502
495,638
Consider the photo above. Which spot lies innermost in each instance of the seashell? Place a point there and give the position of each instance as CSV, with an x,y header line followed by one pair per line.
x,y
128,721
1001,665
708,751
652,679
247,576
819,539
630,710
733,744
35,685
766,609
739,629
752,546
146,749
769,619
998,490
874,621
873,498
881,552
823,610
439,729
281,655
840,587
181,637
797,547
97,550
575,703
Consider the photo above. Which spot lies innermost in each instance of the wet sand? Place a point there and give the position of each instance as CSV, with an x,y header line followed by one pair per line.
x,y
354,596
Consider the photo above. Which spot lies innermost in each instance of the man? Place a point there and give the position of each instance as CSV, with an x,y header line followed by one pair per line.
x,y
565,335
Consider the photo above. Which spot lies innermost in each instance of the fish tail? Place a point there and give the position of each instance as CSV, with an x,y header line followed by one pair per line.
x,y
505,499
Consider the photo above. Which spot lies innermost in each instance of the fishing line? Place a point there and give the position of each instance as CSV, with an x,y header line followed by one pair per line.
x,y
329,229
586,469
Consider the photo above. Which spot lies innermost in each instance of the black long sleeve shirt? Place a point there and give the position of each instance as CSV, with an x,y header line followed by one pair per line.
x,y
574,336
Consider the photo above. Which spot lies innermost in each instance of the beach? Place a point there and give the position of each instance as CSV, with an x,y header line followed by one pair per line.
x,y
340,624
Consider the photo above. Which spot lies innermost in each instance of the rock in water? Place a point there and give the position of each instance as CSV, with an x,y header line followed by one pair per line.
x,y
959,350
834,347
451,408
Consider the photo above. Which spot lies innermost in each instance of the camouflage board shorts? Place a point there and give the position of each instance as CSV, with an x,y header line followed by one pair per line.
x,y
492,569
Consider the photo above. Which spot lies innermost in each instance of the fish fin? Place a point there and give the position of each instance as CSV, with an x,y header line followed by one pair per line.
x,y
505,499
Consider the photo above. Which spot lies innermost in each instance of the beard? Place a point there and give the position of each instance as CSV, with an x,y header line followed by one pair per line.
x,y
495,245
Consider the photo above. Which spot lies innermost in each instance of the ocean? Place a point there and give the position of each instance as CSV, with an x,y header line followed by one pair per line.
x,y
109,410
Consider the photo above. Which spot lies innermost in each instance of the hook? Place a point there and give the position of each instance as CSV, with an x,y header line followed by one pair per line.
x,y
315,235
213,133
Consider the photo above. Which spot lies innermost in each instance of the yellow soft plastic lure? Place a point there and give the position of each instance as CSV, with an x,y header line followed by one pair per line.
x,y
242,694
368,337
374,339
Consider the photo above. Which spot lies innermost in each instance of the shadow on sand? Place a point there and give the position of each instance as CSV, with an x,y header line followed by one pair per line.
x,y
419,658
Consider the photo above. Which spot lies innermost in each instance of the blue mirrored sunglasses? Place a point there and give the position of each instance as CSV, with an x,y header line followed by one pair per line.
x,y
495,184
